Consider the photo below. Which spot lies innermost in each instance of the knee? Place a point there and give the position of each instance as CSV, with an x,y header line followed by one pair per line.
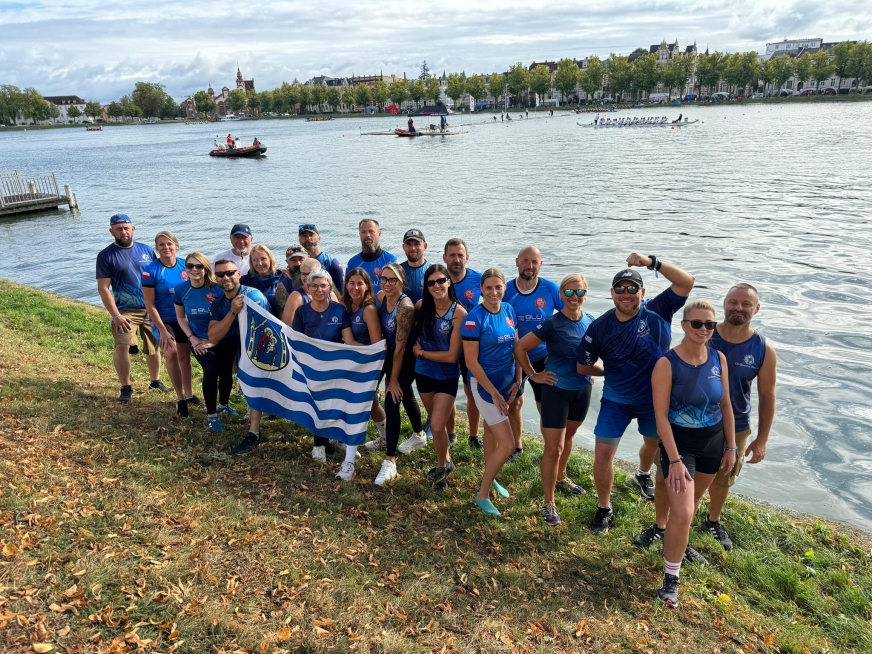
x,y
553,449
680,517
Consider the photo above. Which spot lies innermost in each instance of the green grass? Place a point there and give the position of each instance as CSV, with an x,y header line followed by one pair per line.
x,y
123,527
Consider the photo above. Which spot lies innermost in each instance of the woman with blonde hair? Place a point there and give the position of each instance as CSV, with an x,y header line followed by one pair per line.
x,y
263,274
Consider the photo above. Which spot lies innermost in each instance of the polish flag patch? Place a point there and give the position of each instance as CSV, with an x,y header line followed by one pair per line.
x,y
470,324
146,275
510,322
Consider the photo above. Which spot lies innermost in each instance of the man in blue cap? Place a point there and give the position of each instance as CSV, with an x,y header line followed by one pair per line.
x,y
119,283
240,253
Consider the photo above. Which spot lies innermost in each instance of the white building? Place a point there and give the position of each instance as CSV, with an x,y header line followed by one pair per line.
x,y
787,46
63,103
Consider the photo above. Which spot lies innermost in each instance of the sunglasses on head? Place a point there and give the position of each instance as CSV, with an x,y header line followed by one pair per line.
x,y
620,290
708,324
308,227
436,282
226,273
569,292
194,266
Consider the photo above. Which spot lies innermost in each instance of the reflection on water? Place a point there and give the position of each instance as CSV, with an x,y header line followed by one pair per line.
x,y
777,196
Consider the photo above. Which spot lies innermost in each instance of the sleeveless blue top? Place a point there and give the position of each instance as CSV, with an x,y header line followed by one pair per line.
x,y
696,392
388,322
439,342
359,327
743,363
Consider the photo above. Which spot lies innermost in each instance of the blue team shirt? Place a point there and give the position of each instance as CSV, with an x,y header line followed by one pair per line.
x,y
334,268
743,364
696,391
324,325
265,284
438,341
197,303
388,320
164,279
221,307
414,287
469,289
123,267
495,333
373,268
630,350
532,308
563,337
359,328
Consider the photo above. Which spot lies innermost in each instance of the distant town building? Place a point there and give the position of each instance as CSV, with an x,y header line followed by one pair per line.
x,y
791,47
221,100
795,48
63,103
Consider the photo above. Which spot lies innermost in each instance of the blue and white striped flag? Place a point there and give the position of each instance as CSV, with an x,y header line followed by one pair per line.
x,y
326,387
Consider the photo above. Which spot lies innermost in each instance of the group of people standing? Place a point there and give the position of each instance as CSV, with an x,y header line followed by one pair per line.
x,y
444,322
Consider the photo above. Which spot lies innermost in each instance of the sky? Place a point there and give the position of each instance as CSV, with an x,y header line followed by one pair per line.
x,y
98,50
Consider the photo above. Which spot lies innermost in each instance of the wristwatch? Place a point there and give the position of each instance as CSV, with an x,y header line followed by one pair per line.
x,y
655,263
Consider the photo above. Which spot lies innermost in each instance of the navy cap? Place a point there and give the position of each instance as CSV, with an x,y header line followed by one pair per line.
x,y
120,218
628,275
239,228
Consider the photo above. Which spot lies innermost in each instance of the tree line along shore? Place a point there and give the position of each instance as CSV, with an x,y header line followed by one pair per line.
x,y
122,528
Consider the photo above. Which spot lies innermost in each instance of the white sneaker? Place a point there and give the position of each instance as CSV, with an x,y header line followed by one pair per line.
x,y
319,454
414,442
346,472
388,471
380,443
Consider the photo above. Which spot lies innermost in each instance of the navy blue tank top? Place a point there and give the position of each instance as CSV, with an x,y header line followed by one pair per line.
x,y
440,341
359,328
388,322
696,391
306,297
743,363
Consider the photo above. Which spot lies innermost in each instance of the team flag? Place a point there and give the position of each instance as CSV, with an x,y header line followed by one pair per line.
x,y
326,387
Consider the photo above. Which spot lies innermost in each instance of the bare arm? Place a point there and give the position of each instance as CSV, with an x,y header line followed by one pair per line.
x,y
521,347
348,338
405,322
167,338
726,405
596,370
199,345
119,322
766,410
681,280
661,387
293,303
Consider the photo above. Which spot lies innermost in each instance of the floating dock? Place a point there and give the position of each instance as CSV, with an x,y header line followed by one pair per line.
x,y
22,194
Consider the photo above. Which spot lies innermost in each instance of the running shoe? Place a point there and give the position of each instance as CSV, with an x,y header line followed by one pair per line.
x,y
502,492
228,411
412,443
427,430
475,443
387,473
247,444
568,485
346,472
692,556
652,534
194,402
182,408
645,484
487,506
214,424
514,456
549,512
380,443
319,454
668,593
437,474
341,447
126,394
601,520
452,439
443,483
159,386
718,530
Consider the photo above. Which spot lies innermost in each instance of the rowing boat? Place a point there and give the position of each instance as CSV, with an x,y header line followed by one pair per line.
x,y
613,126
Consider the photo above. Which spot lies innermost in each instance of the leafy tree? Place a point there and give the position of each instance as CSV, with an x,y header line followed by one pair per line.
x,y
434,90
293,95
362,95
781,70
765,76
115,110
399,92
380,94
266,101
677,72
417,90
93,109
132,110
517,79
802,69
540,80
252,100
319,96
203,102
822,67
591,78
567,77
304,93
238,99
497,86
35,106
73,112
861,62
334,97
842,59
646,73
425,72
149,97
620,75
709,71
456,86
476,88
348,98
745,69
10,103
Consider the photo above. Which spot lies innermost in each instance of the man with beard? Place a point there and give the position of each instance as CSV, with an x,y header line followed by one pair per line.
x,y
310,238
240,253
749,356
371,258
534,299
415,266
630,339
119,283
294,256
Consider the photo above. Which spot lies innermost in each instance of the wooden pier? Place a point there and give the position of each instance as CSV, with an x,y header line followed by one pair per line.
x,y
22,194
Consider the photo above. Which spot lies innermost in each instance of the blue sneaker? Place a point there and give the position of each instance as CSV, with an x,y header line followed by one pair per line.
x,y
427,430
499,489
228,411
214,424
487,506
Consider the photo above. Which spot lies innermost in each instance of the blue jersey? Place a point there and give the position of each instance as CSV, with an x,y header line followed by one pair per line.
x,y
221,307
414,287
359,328
388,320
164,279
334,268
563,337
123,267
438,341
495,333
372,265
197,303
532,307
696,391
469,289
630,350
265,284
744,361
324,325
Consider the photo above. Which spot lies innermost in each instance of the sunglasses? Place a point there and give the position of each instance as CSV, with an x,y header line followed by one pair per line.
x,y
194,266
388,281
696,324
226,273
620,290
437,282
580,292
308,227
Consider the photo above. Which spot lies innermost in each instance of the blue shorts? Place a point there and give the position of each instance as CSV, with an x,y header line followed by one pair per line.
x,y
614,418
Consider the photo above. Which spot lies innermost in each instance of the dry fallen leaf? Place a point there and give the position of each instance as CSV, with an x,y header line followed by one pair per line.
x,y
43,647
10,549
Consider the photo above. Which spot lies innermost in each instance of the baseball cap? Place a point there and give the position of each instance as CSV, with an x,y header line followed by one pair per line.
x,y
416,234
629,275
309,227
239,228
119,218
296,251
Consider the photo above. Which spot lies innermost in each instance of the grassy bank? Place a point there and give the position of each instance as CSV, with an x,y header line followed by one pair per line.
x,y
122,528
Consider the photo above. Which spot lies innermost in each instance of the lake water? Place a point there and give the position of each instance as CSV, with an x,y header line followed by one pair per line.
x,y
778,196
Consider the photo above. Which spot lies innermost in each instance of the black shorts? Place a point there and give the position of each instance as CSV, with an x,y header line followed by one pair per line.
x,y
178,332
701,449
538,366
560,405
427,384
407,372
463,370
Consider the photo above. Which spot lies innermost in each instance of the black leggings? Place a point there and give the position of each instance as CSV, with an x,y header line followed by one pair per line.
x,y
217,365
410,404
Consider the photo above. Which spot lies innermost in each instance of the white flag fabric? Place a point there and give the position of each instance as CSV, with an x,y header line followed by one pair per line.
x,y
323,386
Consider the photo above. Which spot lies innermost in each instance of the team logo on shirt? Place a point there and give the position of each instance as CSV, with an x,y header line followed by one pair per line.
x,y
540,302
643,329
376,272
145,257
267,348
184,276
469,294
392,324
210,297
334,320
444,326
357,319
510,322
749,359
716,372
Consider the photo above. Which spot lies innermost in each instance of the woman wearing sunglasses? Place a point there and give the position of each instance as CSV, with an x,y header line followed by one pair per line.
x,y
697,436
439,322
263,275
565,392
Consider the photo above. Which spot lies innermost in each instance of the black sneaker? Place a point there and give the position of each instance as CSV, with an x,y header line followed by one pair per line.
x,y
668,593
435,475
194,402
514,456
475,443
126,394
452,439
692,556
182,408
718,530
645,484
247,444
652,534
601,520
159,386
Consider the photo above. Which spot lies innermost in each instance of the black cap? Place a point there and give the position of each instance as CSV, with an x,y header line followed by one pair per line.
x,y
239,228
309,227
416,234
629,275
296,251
